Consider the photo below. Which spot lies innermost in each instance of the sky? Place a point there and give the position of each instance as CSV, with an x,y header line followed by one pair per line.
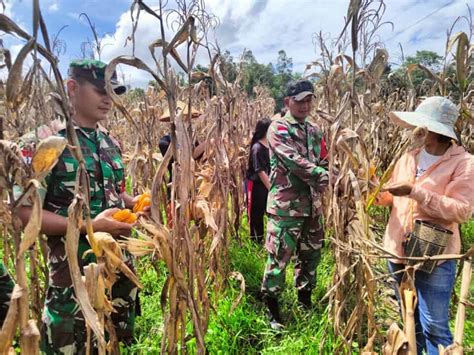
x,y
263,26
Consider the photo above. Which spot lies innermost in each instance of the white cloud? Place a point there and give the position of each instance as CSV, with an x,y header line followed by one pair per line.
x,y
422,25
266,26
8,9
148,30
290,25
53,7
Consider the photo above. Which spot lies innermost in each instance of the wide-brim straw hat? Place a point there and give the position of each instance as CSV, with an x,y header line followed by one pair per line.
x,y
180,106
436,113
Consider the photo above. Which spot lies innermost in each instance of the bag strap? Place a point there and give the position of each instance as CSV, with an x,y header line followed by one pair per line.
x,y
412,201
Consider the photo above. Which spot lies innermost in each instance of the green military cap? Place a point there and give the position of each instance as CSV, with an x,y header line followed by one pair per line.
x,y
94,72
298,90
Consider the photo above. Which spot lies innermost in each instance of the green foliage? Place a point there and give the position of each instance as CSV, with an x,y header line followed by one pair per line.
x,y
426,58
229,67
273,77
135,94
429,59
467,234
245,330
149,325
255,74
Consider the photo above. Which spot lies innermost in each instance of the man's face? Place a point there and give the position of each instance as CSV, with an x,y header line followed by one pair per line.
x,y
299,109
88,101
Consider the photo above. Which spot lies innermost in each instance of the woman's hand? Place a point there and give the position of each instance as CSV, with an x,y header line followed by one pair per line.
x,y
400,189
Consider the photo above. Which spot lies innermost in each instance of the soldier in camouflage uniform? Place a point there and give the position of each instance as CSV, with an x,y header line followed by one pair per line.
x,y
63,330
297,178
6,288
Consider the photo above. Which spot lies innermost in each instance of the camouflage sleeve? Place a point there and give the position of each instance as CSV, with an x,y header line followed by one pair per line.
x,y
283,146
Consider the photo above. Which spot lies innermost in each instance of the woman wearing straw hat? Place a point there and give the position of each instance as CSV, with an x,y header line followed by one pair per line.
x,y
431,189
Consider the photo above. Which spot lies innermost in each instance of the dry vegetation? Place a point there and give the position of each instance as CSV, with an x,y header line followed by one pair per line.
x,y
191,233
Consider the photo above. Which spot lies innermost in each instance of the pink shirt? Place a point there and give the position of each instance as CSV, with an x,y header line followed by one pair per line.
x,y
443,194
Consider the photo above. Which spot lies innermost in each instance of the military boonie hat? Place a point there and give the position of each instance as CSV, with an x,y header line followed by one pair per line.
x,y
94,72
298,90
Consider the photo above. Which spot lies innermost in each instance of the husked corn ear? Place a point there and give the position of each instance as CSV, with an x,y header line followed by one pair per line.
x,y
47,154
143,201
132,218
125,216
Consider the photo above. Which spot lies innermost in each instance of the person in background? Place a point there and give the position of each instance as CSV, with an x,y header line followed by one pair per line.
x,y
258,182
432,184
6,289
298,178
165,141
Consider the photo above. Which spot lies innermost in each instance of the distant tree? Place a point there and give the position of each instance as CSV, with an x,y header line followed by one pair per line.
x,y
229,66
283,75
135,93
182,78
426,58
255,74
274,77
429,59
284,66
201,68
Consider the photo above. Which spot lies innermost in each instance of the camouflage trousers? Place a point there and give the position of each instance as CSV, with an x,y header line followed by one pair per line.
x,y
6,288
63,328
288,236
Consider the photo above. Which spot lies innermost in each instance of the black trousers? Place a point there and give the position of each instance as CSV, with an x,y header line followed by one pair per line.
x,y
257,195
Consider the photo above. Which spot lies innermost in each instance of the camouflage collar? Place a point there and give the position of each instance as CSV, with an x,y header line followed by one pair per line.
x,y
99,129
289,117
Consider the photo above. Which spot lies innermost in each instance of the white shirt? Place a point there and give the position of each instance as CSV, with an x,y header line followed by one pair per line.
x,y
425,160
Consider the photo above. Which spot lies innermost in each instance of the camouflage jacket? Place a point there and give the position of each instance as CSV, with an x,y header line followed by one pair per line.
x,y
297,176
103,160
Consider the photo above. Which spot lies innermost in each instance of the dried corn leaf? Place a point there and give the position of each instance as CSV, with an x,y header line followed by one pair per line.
x,y
109,248
397,343
239,277
181,36
462,58
14,81
9,26
33,227
202,209
11,321
72,242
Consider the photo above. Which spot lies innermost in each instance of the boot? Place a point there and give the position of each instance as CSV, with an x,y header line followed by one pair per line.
x,y
274,313
304,299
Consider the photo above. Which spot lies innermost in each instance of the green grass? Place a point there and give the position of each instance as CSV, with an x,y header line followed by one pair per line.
x,y
245,330
467,234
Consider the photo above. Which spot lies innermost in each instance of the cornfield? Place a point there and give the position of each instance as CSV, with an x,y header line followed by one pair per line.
x,y
196,217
